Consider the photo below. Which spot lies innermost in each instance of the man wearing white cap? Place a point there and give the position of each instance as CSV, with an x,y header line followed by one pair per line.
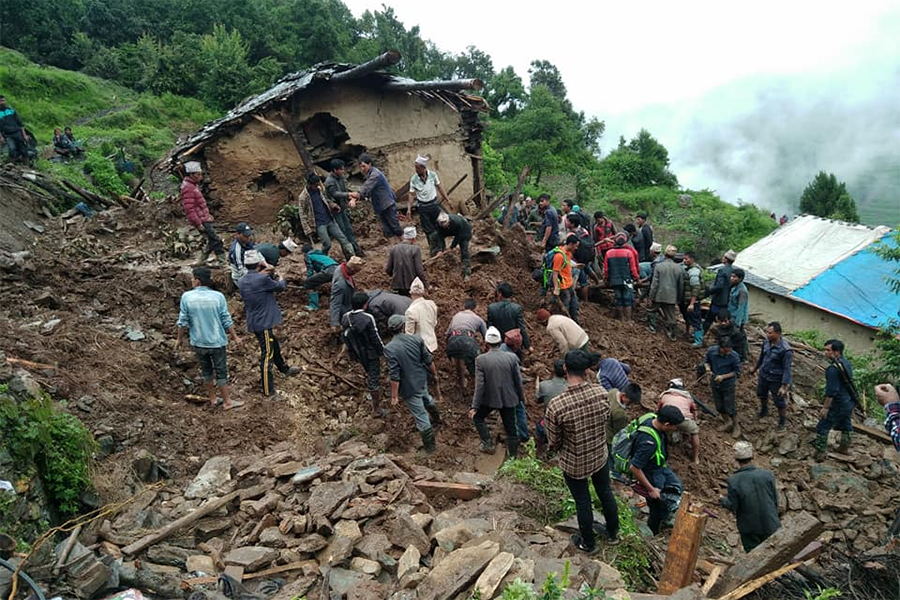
x,y
753,499
258,291
424,187
273,254
498,386
197,212
421,316
457,227
404,263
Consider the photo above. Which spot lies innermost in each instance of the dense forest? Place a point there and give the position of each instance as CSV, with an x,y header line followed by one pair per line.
x,y
221,51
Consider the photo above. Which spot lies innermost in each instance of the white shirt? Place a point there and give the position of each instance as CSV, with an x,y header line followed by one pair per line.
x,y
425,191
421,319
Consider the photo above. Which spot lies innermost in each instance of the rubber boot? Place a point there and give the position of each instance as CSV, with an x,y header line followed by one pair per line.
x,y
698,338
435,415
651,322
736,429
487,446
764,408
629,311
427,440
844,446
821,446
670,333
512,446
781,419
727,424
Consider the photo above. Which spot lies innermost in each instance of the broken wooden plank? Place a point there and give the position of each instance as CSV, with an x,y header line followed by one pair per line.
x,y
237,573
752,586
712,579
684,546
299,140
796,532
460,491
456,185
265,121
874,433
188,519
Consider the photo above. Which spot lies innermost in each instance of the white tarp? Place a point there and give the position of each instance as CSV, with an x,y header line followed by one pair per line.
x,y
803,248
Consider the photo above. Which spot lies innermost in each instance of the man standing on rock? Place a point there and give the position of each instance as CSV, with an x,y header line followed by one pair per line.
x,y
753,498
197,212
457,227
724,367
498,386
576,427
204,313
316,216
410,362
424,187
837,407
243,242
774,366
336,191
384,203
404,263
258,290
666,289
342,287
365,345
421,316
506,315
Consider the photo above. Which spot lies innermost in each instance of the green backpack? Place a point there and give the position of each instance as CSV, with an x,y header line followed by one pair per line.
x,y
623,445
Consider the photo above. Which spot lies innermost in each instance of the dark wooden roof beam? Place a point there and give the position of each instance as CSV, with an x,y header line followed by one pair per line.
x,y
454,85
391,57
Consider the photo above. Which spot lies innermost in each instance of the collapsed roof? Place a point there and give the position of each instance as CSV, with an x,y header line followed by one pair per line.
x,y
450,92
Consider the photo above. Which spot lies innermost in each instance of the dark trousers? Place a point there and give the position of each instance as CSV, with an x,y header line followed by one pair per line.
x,y
16,145
428,214
711,316
765,388
343,221
569,300
723,396
508,416
670,497
213,241
585,510
464,255
838,417
269,356
373,373
691,317
751,540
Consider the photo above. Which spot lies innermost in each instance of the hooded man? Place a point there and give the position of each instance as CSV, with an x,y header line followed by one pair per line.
x,y
424,187
666,289
410,363
498,386
404,263
197,212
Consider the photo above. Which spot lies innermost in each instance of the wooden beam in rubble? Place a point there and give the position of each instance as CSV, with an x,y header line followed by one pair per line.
x,y
391,57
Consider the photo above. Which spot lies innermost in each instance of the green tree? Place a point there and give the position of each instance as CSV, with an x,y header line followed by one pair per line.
x,y
827,197
226,78
642,162
506,94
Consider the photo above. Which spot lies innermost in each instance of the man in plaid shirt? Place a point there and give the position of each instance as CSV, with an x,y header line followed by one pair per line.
x,y
576,426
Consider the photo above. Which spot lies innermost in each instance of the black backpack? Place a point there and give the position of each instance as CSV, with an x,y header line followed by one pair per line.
x,y
585,252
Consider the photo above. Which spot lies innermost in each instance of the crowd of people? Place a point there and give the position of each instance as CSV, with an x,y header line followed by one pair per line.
x,y
585,404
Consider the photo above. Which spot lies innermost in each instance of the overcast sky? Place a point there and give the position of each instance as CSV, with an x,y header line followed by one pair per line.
x,y
750,100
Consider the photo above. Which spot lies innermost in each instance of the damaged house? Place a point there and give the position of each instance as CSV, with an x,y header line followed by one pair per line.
x,y
258,154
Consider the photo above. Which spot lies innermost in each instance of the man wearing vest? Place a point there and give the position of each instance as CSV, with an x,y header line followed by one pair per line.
x,y
562,283
649,460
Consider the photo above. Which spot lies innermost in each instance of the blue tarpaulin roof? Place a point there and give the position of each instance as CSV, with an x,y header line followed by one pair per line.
x,y
855,288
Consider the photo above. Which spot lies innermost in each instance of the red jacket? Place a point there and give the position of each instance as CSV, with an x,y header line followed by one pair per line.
x,y
620,264
194,204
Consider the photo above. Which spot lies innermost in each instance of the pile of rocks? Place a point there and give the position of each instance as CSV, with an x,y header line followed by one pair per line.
x,y
353,524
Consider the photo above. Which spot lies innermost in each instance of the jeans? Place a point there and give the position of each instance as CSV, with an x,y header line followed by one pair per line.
x,y
213,361
585,510
624,295
332,230
269,354
416,405
16,145
522,423
213,242
569,299
343,221
691,317
670,497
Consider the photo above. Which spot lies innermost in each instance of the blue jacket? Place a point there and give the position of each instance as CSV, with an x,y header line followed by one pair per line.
x,y
258,292
205,313
739,304
377,188
718,293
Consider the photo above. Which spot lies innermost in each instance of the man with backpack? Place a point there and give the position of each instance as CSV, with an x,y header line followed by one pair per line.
x,y
561,282
584,254
360,334
620,267
576,426
641,450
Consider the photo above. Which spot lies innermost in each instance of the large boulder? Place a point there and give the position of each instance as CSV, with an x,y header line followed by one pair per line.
x,y
215,473
457,571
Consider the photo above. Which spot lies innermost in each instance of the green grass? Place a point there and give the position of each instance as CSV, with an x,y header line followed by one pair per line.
x,y
103,115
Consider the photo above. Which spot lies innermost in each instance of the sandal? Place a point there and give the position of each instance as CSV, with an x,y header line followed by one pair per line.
x,y
234,404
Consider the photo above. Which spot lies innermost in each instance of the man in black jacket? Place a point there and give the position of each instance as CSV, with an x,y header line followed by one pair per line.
x,y
753,499
718,293
365,345
505,315
336,190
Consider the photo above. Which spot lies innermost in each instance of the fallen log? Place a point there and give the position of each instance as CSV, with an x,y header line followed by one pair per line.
x,y
21,362
712,579
684,546
752,586
872,432
188,519
495,203
795,534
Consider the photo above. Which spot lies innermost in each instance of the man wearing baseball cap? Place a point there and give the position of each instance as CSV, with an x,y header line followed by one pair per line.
x,y
498,386
753,499
197,212
243,242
